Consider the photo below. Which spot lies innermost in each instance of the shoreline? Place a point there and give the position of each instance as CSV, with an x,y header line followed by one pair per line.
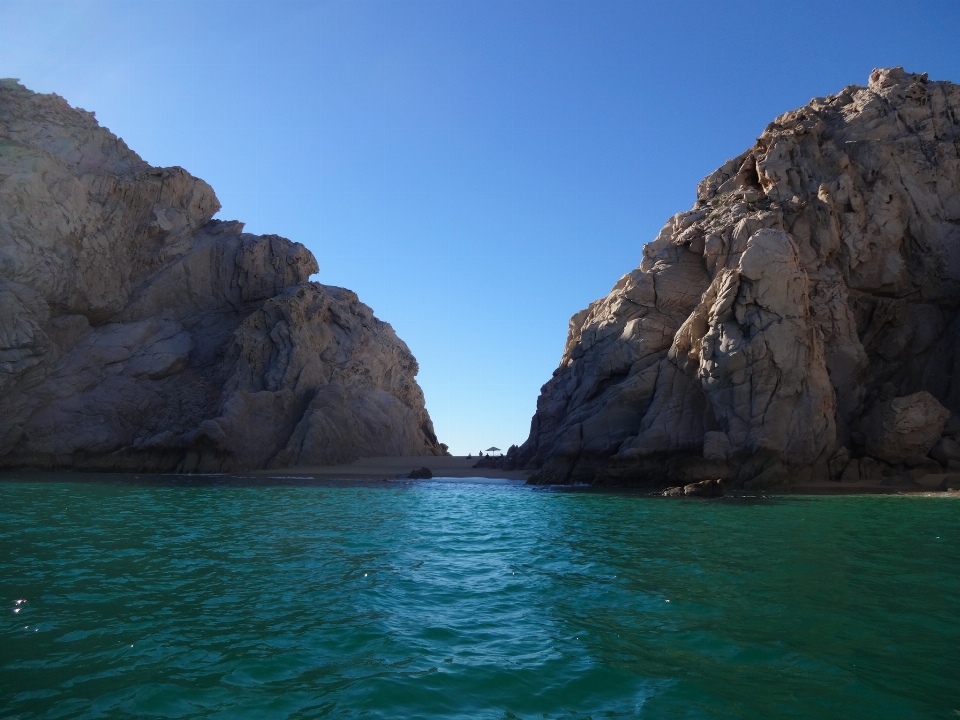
x,y
398,467
444,468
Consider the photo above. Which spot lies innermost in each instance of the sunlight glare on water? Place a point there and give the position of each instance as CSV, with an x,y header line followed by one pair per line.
x,y
444,600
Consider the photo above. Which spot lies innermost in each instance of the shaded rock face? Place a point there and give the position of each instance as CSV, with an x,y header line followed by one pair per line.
x,y
138,333
904,427
816,278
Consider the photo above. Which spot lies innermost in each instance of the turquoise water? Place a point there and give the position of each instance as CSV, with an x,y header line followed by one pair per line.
x,y
447,600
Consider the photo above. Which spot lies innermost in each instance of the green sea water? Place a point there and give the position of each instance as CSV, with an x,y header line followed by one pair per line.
x,y
468,600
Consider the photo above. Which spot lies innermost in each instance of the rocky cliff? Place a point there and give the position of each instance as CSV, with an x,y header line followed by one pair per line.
x,y
800,322
138,333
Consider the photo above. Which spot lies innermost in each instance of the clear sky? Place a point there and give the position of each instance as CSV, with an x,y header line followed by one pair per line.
x,y
476,170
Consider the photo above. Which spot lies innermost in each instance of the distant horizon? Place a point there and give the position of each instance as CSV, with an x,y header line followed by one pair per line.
x,y
477,172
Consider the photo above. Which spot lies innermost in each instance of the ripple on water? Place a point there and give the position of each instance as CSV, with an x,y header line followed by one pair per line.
x,y
441,600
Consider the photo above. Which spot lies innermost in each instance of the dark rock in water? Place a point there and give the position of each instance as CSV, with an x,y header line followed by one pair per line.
x,y
808,299
673,492
423,473
137,333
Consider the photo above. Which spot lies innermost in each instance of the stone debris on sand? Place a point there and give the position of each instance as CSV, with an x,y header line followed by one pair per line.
x,y
137,333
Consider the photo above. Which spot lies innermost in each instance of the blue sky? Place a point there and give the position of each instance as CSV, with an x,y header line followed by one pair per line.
x,y
477,171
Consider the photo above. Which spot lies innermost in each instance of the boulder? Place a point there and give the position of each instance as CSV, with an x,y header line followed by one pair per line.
x,y
901,427
773,477
704,488
814,280
946,450
933,481
138,333
920,467
870,470
716,446
952,427
838,463
423,473
922,461
897,478
851,473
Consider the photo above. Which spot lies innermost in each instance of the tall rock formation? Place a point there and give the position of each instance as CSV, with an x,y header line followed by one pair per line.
x,y
138,333
776,329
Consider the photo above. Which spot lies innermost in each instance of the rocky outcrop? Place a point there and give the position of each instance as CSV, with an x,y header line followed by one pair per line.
x,y
704,488
138,333
781,329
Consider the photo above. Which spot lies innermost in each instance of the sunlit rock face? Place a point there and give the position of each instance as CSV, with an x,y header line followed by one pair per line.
x,y
817,276
138,333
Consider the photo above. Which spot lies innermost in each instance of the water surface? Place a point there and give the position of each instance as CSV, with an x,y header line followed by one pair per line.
x,y
449,600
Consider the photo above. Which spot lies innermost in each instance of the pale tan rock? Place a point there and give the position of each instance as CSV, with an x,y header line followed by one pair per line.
x,y
138,333
705,488
817,271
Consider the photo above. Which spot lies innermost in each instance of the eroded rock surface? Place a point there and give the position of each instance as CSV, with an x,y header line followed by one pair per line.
x,y
814,285
138,333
